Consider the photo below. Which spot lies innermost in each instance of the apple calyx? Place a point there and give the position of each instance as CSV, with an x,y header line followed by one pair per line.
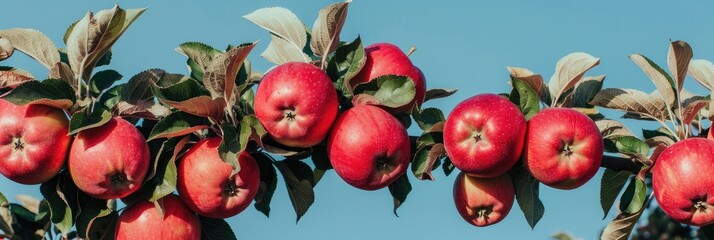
x,y
700,205
384,163
119,179
483,212
18,144
567,149
231,189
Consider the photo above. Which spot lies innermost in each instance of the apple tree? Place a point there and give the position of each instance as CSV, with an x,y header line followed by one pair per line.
x,y
170,155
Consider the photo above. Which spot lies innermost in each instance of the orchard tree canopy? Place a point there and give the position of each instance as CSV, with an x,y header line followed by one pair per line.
x,y
313,107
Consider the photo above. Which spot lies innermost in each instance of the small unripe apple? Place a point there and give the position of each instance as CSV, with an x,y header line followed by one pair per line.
x,y
368,147
205,183
682,181
484,135
33,142
388,59
483,201
144,221
109,161
296,103
564,148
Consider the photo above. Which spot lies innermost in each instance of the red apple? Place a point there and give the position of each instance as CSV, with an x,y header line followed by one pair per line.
x,y
33,142
205,183
388,59
483,201
368,147
563,148
144,221
682,181
484,135
109,161
297,103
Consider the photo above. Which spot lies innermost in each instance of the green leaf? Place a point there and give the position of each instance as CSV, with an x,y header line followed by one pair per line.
x,y
231,146
436,93
585,91
390,91
215,229
621,227
430,138
178,124
105,60
61,194
427,118
665,85
399,189
103,227
268,183
103,80
250,127
33,43
11,77
630,145
51,92
219,77
525,98
93,36
707,231
327,27
92,209
299,182
189,96
647,134
346,64
633,199
138,88
166,174
82,121
199,54
448,166
321,160
111,97
425,160
610,186
6,219
527,191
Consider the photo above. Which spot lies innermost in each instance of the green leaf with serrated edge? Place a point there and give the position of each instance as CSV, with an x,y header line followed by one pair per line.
x,y
103,80
93,36
610,187
425,159
665,85
436,93
105,60
82,121
219,77
111,97
633,199
527,191
321,160
428,117
448,166
621,227
346,64
6,219
61,194
138,87
647,134
177,124
299,182
399,189
525,98
51,92
92,209
194,69
268,183
326,30
251,125
630,145
43,213
430,138
33,43
189,96
215,229
390,90
585,91
198,53
230,147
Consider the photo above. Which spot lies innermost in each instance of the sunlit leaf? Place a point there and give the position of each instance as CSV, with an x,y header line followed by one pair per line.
x,y
326,29
33,43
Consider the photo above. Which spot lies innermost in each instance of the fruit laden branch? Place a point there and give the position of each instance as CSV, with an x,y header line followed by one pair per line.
x,y
88,138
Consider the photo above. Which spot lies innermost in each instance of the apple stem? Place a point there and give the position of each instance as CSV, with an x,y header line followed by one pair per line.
x,y
411,50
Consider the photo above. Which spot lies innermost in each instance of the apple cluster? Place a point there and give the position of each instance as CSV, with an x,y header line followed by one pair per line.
x,y
485,136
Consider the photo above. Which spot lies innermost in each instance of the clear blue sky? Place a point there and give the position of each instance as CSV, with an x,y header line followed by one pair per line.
x,y
461,44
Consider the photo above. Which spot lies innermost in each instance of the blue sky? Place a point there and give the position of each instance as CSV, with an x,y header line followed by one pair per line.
x,y
461,44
